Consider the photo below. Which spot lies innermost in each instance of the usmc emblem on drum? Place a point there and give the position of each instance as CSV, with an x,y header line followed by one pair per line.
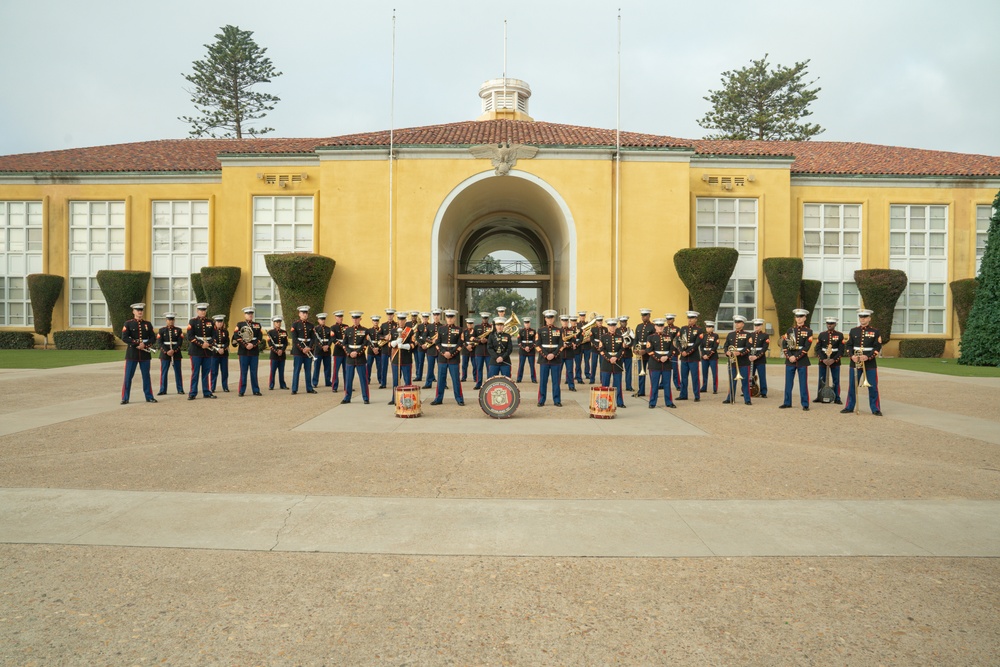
x,y
499,397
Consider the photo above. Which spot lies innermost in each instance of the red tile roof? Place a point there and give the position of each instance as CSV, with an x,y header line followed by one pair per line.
x,y
202,155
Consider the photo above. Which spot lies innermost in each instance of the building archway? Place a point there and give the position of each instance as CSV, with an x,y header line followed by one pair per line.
x,y
519,213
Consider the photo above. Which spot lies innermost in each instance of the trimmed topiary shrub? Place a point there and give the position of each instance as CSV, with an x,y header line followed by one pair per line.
x,y
16,340
219,285
809,294
706,272
302,279
84,339
921,348
980,343
121,289
963,293
784,277
880,290
198,289
44,290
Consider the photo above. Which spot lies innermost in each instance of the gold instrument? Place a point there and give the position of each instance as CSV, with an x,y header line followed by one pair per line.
x,y
246,335
512,326
430,341
586,329
829,348
628,337
731,353
791,344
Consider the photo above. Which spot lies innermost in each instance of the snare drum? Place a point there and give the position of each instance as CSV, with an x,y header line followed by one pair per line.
x,y
499,397
602,403
408,401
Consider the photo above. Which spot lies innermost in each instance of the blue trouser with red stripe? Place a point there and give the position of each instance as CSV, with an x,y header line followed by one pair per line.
x,y
248,366
200,366
147,387
803,374
689,369
660,380
277,368
444,370
547,372
349,371
834,377
165,364
872,375
744,372
706,366
614,380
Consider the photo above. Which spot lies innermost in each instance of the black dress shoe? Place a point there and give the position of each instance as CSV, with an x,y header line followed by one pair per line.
x,y
877,413
161,393
257,393
681,398
436,402
391,403
640,394
191,398
294,392
541,405
211,396
151,400
715,392
726,402
572,388
345,400
381,386
366,402
622,407
181,393
284,388
672,406
806,408
225,390
838,402
747,403
783,406
558,405
652,407
124,403
311,391
240,395
462,403
845,411
697,400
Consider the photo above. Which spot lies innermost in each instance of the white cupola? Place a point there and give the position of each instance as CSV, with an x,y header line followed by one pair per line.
x,y
505,98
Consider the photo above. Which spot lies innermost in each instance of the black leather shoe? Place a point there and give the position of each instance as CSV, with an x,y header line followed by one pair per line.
x,y
345,400
151,400
622,407
838,402
640,394
436,402
672,406
294,392
541,405
845,411
311,391
697,400
381,386
366,402
652,407
124,403
257,393
191,398
572,388
240,395
558,405
782,407
211,396
225,390
161,393
762,396
681,398
877,413
462,403
181,393
726,402
391,403
806,408
747,403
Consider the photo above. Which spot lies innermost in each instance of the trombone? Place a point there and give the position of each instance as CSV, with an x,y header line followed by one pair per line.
x,y
734,380
862,381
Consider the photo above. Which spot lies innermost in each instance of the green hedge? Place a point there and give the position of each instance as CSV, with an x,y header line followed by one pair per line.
x,y
302,280
121,289
784,277
706,272
16,340
880,289
198,289
84,339
44,290
963,294
219,285
809,293
980,344
921,348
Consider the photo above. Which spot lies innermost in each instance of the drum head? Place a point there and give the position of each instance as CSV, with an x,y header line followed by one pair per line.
x,y
499,397
827,394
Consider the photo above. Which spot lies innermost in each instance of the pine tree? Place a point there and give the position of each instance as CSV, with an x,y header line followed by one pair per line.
x,y
980,342
222,86
760,103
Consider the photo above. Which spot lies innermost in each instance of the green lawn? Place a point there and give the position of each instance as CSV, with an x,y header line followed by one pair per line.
x,y
940,366
56,358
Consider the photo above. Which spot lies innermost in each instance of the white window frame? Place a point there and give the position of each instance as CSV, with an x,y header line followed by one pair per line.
x,y
831,230
732,222
831,253
179,248
89,221
918,245
289,228
21,248
983,215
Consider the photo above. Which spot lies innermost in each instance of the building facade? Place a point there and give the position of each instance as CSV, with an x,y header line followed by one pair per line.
x,y
594,231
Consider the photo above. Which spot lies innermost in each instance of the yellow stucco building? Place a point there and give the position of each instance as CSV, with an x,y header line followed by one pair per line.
x,y
594,232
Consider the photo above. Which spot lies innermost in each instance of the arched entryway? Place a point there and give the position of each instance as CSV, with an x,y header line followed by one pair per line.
x,y
518,221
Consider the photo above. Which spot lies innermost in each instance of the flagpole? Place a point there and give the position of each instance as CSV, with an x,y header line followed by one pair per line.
x,y
618,173
392,120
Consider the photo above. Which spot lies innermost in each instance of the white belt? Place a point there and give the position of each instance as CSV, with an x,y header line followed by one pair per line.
x,y
355,347
550,346
448,344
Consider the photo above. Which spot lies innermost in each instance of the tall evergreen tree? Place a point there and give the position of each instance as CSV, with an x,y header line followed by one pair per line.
x,y
761,103
223,84
980,343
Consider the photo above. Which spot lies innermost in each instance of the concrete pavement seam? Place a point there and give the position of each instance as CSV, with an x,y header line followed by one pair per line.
x,y
154,495
877,524
284,524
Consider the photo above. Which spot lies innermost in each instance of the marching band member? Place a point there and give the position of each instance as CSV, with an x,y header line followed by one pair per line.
x,y
449,344
277,342
759,344
864,345
374,350
337,337
385,334
356,340
739,341
138,336
248,351
689,356
169,339
301,334
658,346
526,344
199,336
595,334
421,331
611,348
569,350
549,346
796,343
582,348
829,350
468,345
220,353
499,347
401,358
322,350
673,331
481,331
427,342
710,357
626,362
643,331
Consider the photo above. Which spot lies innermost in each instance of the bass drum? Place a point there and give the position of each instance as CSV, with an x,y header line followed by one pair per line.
x,y
499,397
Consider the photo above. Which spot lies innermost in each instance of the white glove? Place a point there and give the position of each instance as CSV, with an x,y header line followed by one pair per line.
x,y
394,343
404,346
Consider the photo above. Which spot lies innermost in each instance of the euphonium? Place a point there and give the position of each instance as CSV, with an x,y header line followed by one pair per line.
x,y
512,326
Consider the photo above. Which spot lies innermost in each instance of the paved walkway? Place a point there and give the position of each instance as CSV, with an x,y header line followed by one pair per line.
x,y
492,527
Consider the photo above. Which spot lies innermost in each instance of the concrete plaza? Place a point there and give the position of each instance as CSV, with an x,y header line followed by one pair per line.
x,y
295,530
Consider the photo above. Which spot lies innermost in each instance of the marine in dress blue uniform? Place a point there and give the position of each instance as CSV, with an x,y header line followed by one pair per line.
x,y
301,337
357,340
401,357
169,339
220,352
322,350
248,351
627,355
689,356
199,336
420,333
643,331
549,348
737,346
526,350
658,346
611,346
760,342
138,336
795,345
829,350
480,331
582,348
277,343
569,350
427,342
468,345
673,331
595,333
449,342
499,345
864,345
374,349
710,357
337,337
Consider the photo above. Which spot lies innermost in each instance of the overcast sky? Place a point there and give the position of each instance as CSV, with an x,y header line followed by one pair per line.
x,y
916,73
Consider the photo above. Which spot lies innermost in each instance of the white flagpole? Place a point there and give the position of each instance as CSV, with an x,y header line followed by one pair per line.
x,y
618,173
505,61
392,120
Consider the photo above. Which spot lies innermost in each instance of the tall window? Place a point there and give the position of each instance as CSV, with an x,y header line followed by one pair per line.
x,y
280,224
918,244
831,253
983,215
97,242
20,255
180,248
732,223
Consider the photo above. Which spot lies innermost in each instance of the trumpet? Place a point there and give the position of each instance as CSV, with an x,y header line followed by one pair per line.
x,y
306,349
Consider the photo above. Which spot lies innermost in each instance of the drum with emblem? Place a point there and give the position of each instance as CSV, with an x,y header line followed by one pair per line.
x,y
499,397
602,403
408,401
